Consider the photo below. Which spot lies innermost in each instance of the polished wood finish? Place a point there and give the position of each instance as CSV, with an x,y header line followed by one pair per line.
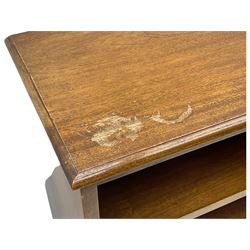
x,y
180,186
234,210
112,102
215,205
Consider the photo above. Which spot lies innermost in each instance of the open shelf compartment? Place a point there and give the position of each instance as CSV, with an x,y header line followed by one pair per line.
x,y
187,186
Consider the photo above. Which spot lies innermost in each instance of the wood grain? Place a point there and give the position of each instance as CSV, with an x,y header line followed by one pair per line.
x,y
114,101
214,206
179,186
234,210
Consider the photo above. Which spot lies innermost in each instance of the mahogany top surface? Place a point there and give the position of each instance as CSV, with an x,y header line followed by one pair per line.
x,y
114,101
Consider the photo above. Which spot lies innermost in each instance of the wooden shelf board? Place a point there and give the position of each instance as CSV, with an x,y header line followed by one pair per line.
x,y
215,205
186,185
234,210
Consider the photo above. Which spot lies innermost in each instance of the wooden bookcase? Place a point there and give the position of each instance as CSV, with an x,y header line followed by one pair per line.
x,y
144,124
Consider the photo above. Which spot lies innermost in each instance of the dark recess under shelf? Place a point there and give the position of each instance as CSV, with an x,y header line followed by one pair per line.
x,y
178,186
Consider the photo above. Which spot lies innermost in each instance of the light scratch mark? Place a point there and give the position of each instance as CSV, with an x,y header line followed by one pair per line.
x,y
115,127
181,118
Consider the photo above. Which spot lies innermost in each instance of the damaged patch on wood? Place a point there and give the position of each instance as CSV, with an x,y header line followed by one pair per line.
x,y
181,118
113,129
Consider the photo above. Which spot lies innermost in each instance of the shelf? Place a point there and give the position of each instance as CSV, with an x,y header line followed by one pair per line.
x,y
234,210
180,186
